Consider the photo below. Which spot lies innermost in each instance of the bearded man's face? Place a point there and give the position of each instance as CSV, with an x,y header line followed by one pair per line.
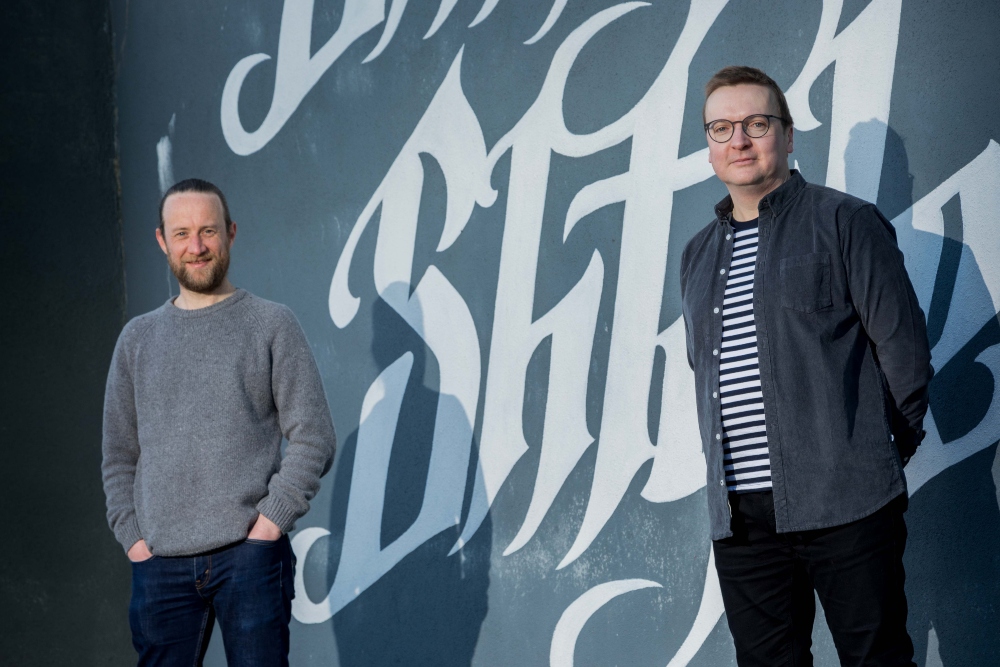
x,y
196,240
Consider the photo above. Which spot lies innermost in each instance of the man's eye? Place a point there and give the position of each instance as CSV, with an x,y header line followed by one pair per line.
x,y
719,129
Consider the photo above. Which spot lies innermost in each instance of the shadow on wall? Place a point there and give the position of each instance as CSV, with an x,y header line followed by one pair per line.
x,y
952,558
429,608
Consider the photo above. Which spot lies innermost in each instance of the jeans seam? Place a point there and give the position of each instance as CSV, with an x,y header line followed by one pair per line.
x,y
201,638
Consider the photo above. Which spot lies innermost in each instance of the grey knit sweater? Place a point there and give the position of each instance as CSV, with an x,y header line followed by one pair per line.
x,y
196,405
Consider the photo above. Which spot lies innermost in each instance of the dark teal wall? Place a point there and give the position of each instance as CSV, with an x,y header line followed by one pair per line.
x,y
63,581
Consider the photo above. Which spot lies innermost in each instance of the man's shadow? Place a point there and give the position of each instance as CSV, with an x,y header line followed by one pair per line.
x,y
429,608
952,558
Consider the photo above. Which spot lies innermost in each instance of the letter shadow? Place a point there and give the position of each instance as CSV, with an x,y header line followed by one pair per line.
x,y
428,609
952,557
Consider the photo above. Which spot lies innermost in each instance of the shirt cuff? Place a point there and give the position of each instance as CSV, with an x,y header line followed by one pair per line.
x,y
280,514
127,533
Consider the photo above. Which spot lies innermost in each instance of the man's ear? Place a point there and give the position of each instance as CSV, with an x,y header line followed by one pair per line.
x,y
162,241
231,231
791,138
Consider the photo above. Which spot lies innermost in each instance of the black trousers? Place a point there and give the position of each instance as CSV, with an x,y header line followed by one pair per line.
x,y
856,569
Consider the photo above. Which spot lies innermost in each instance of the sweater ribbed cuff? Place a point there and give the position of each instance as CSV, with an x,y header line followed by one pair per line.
x,y
283,516
127,533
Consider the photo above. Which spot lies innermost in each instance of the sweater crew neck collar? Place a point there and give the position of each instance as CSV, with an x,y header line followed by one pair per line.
x,y
230,300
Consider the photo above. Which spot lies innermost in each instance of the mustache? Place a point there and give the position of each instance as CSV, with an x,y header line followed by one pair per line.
x,y
205,256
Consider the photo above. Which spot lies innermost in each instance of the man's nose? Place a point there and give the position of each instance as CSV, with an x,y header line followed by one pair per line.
x,y
740,139
195,245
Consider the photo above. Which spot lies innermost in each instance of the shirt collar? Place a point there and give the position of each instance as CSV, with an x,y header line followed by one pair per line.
x,y
776,200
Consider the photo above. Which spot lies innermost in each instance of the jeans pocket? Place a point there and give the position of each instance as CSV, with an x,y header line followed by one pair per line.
x,y
262,543
143,562
805,282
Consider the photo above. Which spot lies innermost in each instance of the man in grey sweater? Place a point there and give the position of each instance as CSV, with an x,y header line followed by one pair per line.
x,y
199,394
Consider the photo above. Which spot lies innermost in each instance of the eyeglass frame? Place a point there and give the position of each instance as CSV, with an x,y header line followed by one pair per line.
x,y
743,124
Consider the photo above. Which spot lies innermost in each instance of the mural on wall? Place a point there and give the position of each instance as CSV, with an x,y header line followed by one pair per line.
x,y
495,309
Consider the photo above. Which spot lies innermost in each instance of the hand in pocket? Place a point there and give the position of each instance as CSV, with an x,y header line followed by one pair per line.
x,y
139,552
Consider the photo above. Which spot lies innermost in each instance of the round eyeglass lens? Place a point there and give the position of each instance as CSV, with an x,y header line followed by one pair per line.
x,y
756,126
720,130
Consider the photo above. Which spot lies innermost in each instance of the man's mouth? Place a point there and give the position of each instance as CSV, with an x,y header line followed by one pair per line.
x,y
742,160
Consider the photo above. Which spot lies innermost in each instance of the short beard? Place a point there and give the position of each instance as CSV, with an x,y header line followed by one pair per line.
x,y
209,283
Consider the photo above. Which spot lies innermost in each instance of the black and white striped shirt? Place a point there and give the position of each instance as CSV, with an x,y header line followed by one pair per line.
x,y
744,439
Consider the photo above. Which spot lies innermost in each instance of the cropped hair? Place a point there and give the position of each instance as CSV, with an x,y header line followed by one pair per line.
x,y
735,75
196,185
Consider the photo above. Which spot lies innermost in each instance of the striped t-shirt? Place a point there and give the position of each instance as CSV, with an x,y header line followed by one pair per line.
x,y
744,439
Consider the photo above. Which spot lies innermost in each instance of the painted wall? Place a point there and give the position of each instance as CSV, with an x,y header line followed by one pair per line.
x,y
476,210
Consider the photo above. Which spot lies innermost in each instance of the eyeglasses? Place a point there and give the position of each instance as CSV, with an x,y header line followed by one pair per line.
x,y
755,127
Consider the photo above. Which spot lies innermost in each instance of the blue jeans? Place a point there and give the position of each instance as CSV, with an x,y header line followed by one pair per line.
x,y
248,586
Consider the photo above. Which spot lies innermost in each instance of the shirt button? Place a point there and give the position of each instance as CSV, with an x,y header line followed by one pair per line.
x,y
715,353
722,482
729,236
715,394
722,272
716,311
718,436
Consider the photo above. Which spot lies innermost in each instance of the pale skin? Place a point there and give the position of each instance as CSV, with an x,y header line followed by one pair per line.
x,y
750,168
194,233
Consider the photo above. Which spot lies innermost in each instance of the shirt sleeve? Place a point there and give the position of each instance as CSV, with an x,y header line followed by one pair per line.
x,y
120,448
892,318
687,327
305,421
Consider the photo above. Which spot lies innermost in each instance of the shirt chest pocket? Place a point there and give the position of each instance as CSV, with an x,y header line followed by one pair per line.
x,y
805,282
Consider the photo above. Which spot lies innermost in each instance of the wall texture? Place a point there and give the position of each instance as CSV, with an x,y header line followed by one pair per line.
x,y
64,585
476,209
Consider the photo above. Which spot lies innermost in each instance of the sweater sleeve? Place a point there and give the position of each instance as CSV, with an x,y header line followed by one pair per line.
x,y
120,447
305,421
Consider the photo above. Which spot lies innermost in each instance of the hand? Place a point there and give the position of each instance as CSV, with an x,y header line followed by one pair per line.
x,y
139,552
264,529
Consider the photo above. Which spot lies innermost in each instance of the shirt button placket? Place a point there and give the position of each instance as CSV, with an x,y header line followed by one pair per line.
x,y
715,353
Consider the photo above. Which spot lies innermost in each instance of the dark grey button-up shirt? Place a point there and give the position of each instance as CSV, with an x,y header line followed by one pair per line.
x,y
842,343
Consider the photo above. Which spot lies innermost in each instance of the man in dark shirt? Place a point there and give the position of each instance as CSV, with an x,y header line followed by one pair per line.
x,y
811,371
